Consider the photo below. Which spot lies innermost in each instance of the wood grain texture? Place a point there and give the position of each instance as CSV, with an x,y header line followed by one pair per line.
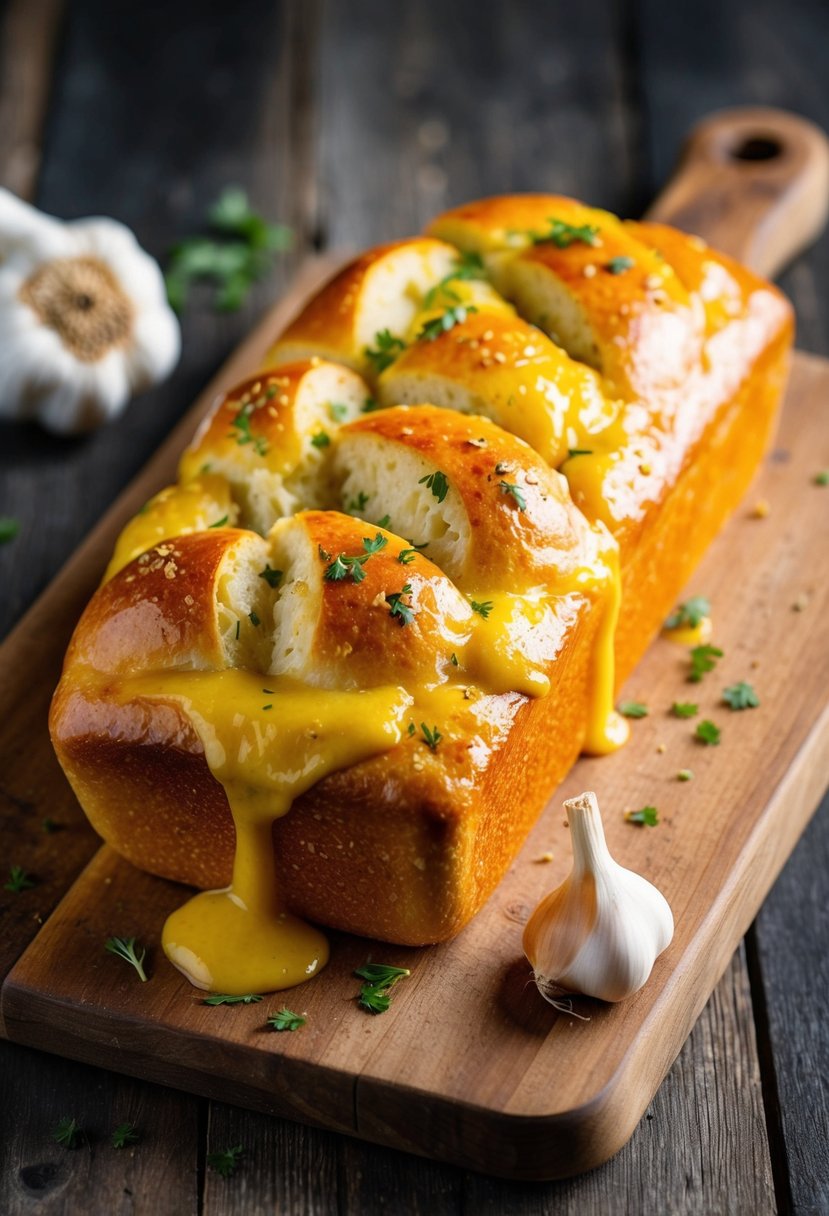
x,y
481,1096
28,34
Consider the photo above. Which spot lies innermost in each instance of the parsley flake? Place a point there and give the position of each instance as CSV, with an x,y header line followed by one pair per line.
x,y
447,320
220,523
271,576
571,452
406,555
359,503
126,948
563,235
124,1134
684,709
689,614
467,266
404,613
226,1161
375,993
483,609
708,733
67,1132
9,528
253,618
344,565
619,265
286,1019
338,412
685,774
821,478
431,737
703,660
224,998
18,881
437,483
740,696
370,405
515,493
382,355
633,709
320,440
647,817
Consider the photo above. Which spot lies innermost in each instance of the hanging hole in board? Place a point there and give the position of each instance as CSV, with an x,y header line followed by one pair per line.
x,y
757,147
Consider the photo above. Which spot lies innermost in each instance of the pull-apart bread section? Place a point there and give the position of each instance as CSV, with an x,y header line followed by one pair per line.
x,y
379,615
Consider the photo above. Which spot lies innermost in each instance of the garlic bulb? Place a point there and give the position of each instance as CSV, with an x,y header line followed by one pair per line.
x,y
601,931
84,319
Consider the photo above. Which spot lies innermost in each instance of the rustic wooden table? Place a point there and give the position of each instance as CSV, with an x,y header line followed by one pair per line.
x,y
353,122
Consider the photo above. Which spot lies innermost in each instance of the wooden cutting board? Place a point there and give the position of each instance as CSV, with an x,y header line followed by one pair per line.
x,y
470,1065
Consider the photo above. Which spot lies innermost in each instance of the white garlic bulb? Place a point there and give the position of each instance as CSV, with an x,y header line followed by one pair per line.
x,y
84,319
600,932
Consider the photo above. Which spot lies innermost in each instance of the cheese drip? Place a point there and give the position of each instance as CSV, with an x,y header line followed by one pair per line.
x,y
267,740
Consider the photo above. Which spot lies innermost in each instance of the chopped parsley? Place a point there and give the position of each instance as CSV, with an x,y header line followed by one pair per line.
x,y
703,660
431,737
325,556
515,493
633,709
483,609
411,729
126,948
286,1019
822,478
563,235
406,555
18,881
226,1161
359,503
370,405
404,613
374,546
689,614
384,522
67,1133
271,576
383,354
320,440
375,993
571,452
124,1134
453,659
467,266
337,412
740,696
708,733
224,998
220,523
343,565
647,817
619,265
253,618
684,709
685,774
436,482
447,320
9,528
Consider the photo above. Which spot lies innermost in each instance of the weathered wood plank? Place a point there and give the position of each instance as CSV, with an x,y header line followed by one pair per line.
x,y
156,1174
28,33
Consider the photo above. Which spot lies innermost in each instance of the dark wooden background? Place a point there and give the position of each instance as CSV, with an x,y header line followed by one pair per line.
x,y
353,122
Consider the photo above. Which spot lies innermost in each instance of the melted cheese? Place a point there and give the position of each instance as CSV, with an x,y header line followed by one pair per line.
x,y
267,740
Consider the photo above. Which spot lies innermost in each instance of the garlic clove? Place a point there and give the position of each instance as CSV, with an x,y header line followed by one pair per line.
x,y
600,932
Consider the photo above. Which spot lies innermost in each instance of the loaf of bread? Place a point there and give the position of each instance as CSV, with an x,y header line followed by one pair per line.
x,y
380,614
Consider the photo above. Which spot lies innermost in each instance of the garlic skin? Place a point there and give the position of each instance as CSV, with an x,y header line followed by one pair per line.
x,y
84,319
600,932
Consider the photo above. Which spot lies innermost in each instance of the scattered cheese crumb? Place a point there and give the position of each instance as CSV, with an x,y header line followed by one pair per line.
x,y
545,857
762,509
662,747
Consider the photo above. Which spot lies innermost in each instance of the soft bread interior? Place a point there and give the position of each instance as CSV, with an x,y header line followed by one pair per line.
x,y
380,478
542,298
244,603
296,612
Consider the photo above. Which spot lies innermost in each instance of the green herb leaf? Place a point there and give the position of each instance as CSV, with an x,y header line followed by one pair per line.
x,y
453,659
703,660
359,503
320,440
564,235
684,774
468,266
220,523
338,412
18,881
343,565
437,483
483,609
404,613
684,709
9,528
226,1161
126,948
254,619
740,696
271,576
689,614
432,737
571,452
383,354
370,405
648,816
286,1019
515,493
633,709
707,732
124,1134
821,479
374,546
224,998
447,320
375,994
619,265
384,522
67,1133
406,555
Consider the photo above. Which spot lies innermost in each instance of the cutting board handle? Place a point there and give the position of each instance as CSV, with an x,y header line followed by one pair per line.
x,y
754,183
